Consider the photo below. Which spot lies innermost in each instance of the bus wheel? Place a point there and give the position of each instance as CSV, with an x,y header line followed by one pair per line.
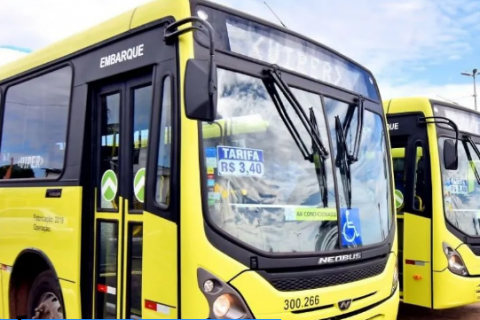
x,y
44,300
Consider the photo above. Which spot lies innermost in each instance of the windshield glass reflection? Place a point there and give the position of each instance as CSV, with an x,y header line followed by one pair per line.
x,y
461,192
263,192
371,207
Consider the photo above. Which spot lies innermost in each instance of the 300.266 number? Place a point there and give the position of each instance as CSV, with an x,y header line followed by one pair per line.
x,y
297,303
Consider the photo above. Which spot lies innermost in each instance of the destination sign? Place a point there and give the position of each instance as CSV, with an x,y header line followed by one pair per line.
x,y
254,40
465,121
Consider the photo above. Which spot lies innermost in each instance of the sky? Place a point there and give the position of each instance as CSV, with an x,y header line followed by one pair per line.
x,y
413,47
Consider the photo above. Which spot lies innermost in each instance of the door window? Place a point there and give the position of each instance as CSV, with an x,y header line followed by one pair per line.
x,y
109,151
142,105
162,194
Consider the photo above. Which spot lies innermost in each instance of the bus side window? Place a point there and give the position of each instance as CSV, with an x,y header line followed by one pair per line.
x,y
162,193
35,119
420,182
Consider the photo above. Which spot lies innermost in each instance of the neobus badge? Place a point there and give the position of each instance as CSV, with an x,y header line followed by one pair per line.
x,y
121,56
340,258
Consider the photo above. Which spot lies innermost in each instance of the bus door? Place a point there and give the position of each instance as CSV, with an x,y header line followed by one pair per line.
x,y
411,165
120,124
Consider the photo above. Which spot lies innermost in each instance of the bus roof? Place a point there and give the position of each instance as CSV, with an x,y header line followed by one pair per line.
x,y
131,19
407,104
134,18
418,103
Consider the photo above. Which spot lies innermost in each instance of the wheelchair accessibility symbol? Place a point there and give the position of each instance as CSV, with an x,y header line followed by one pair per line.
x,y
351,232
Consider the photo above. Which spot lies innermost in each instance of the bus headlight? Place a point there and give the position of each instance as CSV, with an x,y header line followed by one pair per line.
x,y
395,278
455,261
224,301
222,305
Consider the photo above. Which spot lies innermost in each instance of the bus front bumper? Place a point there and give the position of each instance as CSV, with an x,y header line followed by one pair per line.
x,y
370,299
452,291
383,310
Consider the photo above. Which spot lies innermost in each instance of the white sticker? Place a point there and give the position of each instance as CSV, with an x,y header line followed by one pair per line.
x,y
234,161
211,162
214,195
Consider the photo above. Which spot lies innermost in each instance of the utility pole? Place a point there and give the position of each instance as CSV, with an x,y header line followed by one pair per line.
x,y
473,75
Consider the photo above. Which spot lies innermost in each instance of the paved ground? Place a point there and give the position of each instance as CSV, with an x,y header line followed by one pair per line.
x,y
471,312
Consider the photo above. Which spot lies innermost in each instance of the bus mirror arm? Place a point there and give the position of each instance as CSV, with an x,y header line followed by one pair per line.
x,y
200,90
450,146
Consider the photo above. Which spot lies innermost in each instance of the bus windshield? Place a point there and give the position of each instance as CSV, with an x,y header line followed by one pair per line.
x,y
461,191
262,191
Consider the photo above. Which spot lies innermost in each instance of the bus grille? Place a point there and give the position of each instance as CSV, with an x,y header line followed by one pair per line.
x,y
328,280
475,250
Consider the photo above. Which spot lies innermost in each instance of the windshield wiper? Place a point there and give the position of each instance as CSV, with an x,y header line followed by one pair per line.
x,y
343,163
309,124
468,139
344,159
319,162
353,157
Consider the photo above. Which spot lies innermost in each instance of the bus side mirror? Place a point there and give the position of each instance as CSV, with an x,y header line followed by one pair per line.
x,y
201,90
450,156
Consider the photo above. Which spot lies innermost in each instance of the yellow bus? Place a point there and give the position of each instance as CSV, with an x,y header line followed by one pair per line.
x,y
435,149
259,144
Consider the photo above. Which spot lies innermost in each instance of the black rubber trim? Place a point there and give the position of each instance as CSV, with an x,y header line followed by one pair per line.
x,y
49,263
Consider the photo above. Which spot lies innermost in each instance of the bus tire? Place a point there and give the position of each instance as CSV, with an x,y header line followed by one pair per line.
x,y
45,298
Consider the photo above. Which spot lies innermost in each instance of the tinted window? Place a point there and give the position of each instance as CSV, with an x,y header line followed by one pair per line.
x,y
107,270
35,127
142,105
165,145
110,150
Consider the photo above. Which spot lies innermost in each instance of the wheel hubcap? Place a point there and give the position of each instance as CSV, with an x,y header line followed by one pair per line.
x,y
49,307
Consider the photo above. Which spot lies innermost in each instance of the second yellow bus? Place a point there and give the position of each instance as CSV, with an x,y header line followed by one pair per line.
x,y
435,150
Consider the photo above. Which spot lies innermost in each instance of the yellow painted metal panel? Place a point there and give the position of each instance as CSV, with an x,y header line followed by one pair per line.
x,y
454,291
51,225
2,315
267,303
196,250
71,299
5,285
417,278
160,267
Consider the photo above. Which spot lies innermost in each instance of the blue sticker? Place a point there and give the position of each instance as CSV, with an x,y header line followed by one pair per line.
x,y
457,186
233,161
210,152
210,182
351,227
